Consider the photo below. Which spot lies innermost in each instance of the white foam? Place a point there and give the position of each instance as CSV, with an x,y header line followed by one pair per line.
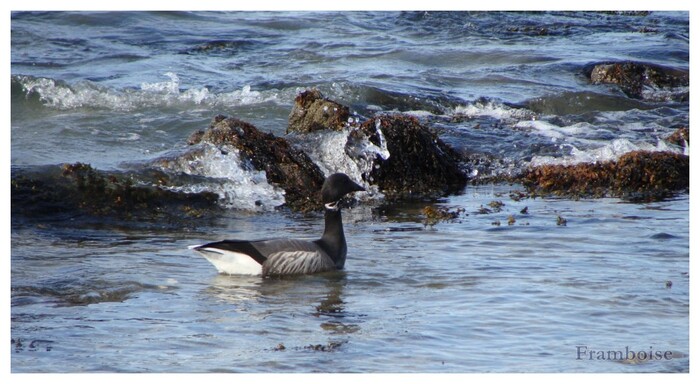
x,y
60,96
237,186
172,86
493,109
555,132
608,152
663,94
149,95
333,152
419,113
132,136
245,96
170,92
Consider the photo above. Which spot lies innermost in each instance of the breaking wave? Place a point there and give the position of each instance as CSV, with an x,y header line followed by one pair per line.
x,y
86,94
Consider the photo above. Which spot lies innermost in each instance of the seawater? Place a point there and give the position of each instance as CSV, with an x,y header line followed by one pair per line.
x,y
470,295
511,285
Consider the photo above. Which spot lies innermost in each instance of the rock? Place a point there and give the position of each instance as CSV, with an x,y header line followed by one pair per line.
x,y
530,30
654,175
195,137
284,165
433,215
80,189
419,165
313,112
637,176
680,137
633,78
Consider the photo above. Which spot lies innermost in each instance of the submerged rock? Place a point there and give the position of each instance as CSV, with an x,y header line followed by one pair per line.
x,y
530,30
79,188
634,78
284,166
389,100
420,163
433,215
637,176
313,112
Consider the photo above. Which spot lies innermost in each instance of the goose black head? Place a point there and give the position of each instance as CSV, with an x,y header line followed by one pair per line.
x,y
336,186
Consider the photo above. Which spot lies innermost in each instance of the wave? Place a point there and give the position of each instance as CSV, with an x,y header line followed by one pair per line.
x,y
364,99
485,107
60,95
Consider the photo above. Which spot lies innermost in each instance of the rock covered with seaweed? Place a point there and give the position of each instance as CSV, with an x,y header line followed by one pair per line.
x,y
637,176
313,112
420,163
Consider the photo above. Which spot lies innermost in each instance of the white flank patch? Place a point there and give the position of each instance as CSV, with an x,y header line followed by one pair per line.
x,y
232,263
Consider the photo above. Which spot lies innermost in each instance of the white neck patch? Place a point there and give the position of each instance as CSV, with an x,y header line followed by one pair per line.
x,y
332,206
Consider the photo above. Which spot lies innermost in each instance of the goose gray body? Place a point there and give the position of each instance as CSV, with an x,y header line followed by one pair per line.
x,y
268,257
289,256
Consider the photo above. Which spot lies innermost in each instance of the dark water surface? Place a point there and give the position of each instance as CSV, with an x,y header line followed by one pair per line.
x,y
499,289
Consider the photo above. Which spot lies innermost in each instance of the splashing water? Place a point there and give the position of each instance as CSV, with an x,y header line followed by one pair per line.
x,y
346,151
237,185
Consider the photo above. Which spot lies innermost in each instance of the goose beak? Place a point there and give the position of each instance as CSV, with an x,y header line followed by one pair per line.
x,y
357,188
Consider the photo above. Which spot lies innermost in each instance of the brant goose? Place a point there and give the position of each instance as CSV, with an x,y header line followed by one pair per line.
x,y
288,256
